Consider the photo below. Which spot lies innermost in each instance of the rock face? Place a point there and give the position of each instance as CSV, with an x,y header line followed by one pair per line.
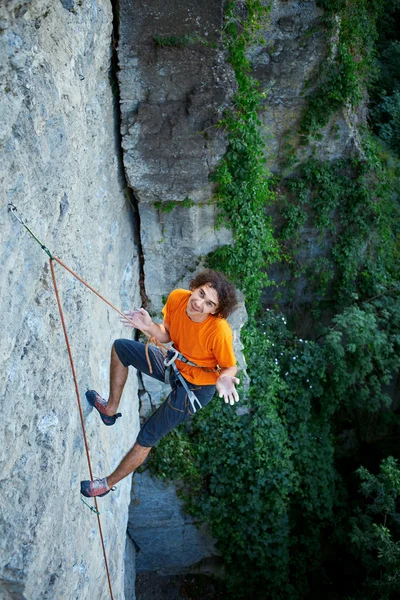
x,y
174,85
59,165
157,514
286,65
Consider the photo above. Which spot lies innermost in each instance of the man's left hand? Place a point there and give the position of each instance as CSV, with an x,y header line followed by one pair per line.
x,y
226,388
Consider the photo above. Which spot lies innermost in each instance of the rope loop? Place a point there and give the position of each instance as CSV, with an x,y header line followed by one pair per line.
x,y
153,340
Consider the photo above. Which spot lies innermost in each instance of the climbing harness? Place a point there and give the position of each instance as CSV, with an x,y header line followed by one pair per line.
x,y
170,356
191,395
169,361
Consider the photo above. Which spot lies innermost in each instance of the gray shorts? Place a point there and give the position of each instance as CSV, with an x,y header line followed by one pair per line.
x,y
176,409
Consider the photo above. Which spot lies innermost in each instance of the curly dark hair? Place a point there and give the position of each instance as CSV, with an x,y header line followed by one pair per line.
x,y
227,299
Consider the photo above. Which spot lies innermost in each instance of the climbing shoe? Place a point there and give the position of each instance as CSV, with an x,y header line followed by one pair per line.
x,y
98,487
100,404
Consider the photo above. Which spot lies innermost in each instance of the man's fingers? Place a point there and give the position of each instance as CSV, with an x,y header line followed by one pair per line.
x,y
128,320
127,323
230,398
228,391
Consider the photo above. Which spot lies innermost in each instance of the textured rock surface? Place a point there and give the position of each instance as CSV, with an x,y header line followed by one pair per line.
x,y
167,538
171,98
60,167
295,46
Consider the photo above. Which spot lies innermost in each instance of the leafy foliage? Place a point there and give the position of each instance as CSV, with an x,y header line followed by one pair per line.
x,y
375,532
342,78
265,478
385,89
169,205
350,203
265,481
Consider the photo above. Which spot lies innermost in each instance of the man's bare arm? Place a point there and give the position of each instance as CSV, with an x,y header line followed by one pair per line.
x,y
160,331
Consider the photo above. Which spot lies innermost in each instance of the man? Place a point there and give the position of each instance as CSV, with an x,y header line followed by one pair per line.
x,y
201,360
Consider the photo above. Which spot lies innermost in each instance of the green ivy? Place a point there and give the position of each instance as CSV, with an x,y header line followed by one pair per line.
x,y
375,532
342,78
350,203
265,479
169,205
243,190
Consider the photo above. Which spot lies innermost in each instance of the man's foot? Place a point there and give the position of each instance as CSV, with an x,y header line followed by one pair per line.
x,y
98,487
100,405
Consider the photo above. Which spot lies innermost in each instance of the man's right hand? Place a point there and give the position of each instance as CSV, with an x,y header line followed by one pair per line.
x,y
139,318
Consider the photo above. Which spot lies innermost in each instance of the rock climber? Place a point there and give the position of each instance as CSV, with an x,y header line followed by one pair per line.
x,y
201,360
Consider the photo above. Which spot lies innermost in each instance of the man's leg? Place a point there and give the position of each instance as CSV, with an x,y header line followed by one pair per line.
x,y
108,408
172,412
167,416
175,410
100,487
118,377
125,353
135,457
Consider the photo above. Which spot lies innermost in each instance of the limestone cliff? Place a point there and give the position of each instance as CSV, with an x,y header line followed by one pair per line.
x,y
60,166
286,66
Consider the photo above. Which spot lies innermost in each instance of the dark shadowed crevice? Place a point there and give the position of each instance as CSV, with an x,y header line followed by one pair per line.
x,y
133,200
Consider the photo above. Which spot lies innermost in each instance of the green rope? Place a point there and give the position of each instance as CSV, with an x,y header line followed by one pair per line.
x,y
92,508
12,208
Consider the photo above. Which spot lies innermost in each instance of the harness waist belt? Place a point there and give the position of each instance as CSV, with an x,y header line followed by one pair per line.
x,y
170,362
182,358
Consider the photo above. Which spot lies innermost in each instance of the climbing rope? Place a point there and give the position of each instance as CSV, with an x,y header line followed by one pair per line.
x,y
13,209
152,340
81,418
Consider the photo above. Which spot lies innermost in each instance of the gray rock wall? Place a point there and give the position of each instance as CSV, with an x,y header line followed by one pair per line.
x,y
168,540
59,164
173,93
174,85
286,65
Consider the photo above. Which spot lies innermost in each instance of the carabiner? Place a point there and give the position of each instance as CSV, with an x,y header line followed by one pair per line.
x,y
169,362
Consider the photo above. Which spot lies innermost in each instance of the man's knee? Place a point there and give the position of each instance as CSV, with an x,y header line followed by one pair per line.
x,y
140,448
141,451
119,351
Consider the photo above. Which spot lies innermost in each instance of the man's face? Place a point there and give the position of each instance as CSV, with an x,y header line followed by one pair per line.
x,y
202,302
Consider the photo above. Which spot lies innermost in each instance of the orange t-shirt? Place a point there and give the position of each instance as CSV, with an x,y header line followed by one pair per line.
x,y
207,344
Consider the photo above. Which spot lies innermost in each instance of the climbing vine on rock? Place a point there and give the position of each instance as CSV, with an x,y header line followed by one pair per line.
x,y
342,78
243,189
349,203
